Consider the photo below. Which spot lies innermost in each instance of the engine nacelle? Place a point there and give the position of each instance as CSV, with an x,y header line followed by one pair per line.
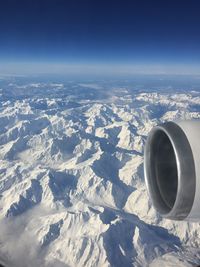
x,y
172,169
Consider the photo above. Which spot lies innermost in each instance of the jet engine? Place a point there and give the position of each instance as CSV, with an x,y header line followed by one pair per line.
x,y
172,169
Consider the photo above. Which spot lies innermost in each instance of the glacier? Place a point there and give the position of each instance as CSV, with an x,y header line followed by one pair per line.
x,y
72,189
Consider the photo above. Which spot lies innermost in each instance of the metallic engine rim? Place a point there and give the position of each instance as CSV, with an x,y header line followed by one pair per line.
x,y
185,168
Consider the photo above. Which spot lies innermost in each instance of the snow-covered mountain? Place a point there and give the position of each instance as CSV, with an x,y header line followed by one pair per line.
x,y
72,190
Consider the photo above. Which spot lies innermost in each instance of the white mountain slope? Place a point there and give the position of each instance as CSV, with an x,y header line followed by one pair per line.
x,y
72,189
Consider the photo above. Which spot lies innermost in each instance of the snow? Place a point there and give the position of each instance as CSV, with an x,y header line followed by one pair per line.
x,y
72,189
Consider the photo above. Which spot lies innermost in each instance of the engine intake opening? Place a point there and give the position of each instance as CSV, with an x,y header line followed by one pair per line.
x,y
163,175
165,169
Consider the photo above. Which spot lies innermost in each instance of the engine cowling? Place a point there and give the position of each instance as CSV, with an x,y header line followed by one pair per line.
x,y
172,169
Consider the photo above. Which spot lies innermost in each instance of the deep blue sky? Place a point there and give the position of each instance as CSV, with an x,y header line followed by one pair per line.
x,y
100,31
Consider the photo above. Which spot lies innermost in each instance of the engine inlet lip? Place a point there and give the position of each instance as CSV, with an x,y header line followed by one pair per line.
x,y
185,172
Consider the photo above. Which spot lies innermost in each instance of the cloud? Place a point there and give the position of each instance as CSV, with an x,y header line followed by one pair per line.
x,y
19,247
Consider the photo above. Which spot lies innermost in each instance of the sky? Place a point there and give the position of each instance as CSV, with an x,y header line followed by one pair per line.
x,y
157,34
